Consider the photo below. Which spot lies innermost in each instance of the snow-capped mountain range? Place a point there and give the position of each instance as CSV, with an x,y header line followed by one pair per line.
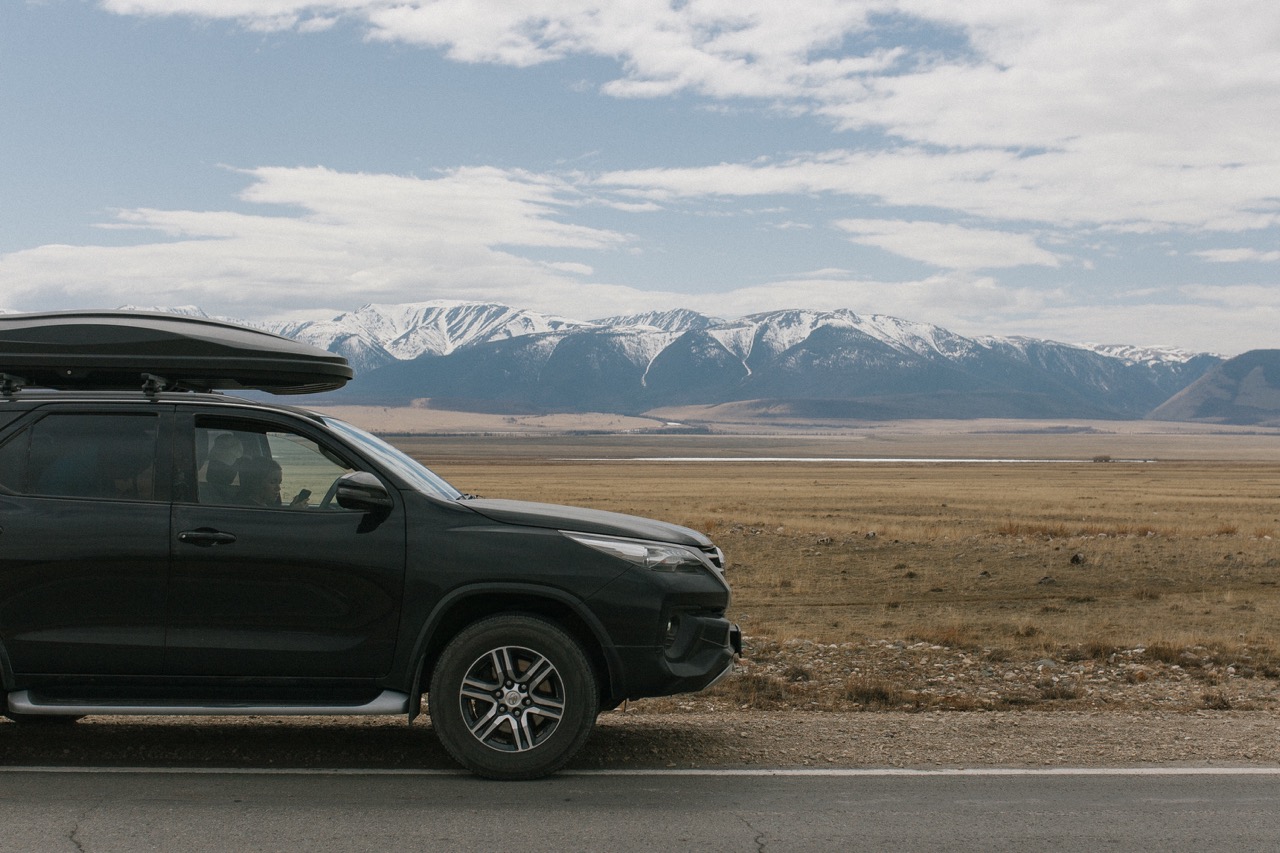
x,y
385,333
826,363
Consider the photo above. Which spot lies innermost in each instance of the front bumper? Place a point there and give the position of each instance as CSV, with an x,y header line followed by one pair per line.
x,y
699,653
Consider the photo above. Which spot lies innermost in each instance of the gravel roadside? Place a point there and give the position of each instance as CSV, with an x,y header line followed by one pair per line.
x,y
631,738
873,703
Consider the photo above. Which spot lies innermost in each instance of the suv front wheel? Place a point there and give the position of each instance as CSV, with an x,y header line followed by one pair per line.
x,y
513,697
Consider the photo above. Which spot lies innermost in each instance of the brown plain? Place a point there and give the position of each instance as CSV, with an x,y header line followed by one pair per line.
x,y
1120,538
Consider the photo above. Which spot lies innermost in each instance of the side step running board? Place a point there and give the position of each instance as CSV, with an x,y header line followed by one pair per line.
x,y
389,702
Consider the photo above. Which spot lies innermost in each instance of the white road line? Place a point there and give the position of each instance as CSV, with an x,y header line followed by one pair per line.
x,y
861,460
958,771
763,772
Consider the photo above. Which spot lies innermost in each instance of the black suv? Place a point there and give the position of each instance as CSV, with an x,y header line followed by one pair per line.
x,y
167,551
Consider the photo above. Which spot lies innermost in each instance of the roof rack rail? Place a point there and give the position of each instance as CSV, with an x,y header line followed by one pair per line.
x,y
10,384
153,385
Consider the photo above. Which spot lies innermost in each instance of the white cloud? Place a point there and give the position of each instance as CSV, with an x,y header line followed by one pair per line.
x,y
752,48
1141,116
1227,319
1216,329
259,15
386,238
1028,74
949,246
1054,187
317,25
1235,256
359,237
956,300
1235,297
327,238
1038,123
570,267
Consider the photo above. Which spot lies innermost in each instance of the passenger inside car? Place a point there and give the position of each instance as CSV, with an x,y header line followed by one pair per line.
x,y
220,473
260,479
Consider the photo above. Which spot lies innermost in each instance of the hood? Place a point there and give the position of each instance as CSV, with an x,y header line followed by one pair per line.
x,y
584,520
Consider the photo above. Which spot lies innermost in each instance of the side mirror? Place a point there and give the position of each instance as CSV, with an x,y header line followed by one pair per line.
x,y
362,491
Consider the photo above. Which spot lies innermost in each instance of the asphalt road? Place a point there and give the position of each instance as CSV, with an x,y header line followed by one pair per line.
x,y
178,810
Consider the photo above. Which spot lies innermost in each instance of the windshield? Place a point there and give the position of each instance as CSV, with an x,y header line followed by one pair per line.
x,y
406,466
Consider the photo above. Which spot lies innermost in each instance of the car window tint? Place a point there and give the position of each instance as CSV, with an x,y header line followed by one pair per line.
x,y
422,478
110,457
246,464
13,462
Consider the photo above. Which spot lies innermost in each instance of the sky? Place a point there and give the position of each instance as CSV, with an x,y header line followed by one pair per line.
x,y
1103,172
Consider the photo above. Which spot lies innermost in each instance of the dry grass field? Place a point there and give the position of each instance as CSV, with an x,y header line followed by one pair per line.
x,y
1015,583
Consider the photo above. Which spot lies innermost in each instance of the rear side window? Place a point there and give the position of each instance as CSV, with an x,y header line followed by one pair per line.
x,y
105,457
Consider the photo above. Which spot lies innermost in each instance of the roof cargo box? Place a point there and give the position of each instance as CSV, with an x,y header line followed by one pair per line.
x,y
108,350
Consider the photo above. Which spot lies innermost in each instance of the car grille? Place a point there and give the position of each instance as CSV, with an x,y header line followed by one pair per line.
x,y
716,556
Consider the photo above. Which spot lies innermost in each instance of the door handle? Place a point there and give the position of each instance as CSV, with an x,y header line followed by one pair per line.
x,y
206,537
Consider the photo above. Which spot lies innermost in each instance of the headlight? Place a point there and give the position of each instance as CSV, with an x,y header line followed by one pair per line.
x,y
657,556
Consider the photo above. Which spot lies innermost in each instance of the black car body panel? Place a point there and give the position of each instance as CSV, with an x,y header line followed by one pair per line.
x,y
297,595
586,521
94,603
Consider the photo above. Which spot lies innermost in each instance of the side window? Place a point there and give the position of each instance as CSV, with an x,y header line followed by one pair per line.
x,y
13,462
247,464
70,455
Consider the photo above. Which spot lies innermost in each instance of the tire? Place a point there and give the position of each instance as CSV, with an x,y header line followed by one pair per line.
x,y
513,697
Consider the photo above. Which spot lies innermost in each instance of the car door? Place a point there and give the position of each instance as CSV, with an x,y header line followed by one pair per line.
x,y
271,586
84,533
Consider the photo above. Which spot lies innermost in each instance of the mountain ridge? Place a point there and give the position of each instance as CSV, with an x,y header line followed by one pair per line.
x,y
492,357
1241,390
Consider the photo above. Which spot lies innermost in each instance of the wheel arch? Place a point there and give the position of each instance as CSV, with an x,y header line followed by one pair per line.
x,y
8,678
467,605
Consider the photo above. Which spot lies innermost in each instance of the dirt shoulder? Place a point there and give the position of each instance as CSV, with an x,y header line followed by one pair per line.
x,y
869,704
885,675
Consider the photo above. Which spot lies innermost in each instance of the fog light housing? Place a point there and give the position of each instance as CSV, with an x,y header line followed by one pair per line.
x,y
672,633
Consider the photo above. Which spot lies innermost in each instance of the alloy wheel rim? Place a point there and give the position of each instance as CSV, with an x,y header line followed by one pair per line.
x,y
512,699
